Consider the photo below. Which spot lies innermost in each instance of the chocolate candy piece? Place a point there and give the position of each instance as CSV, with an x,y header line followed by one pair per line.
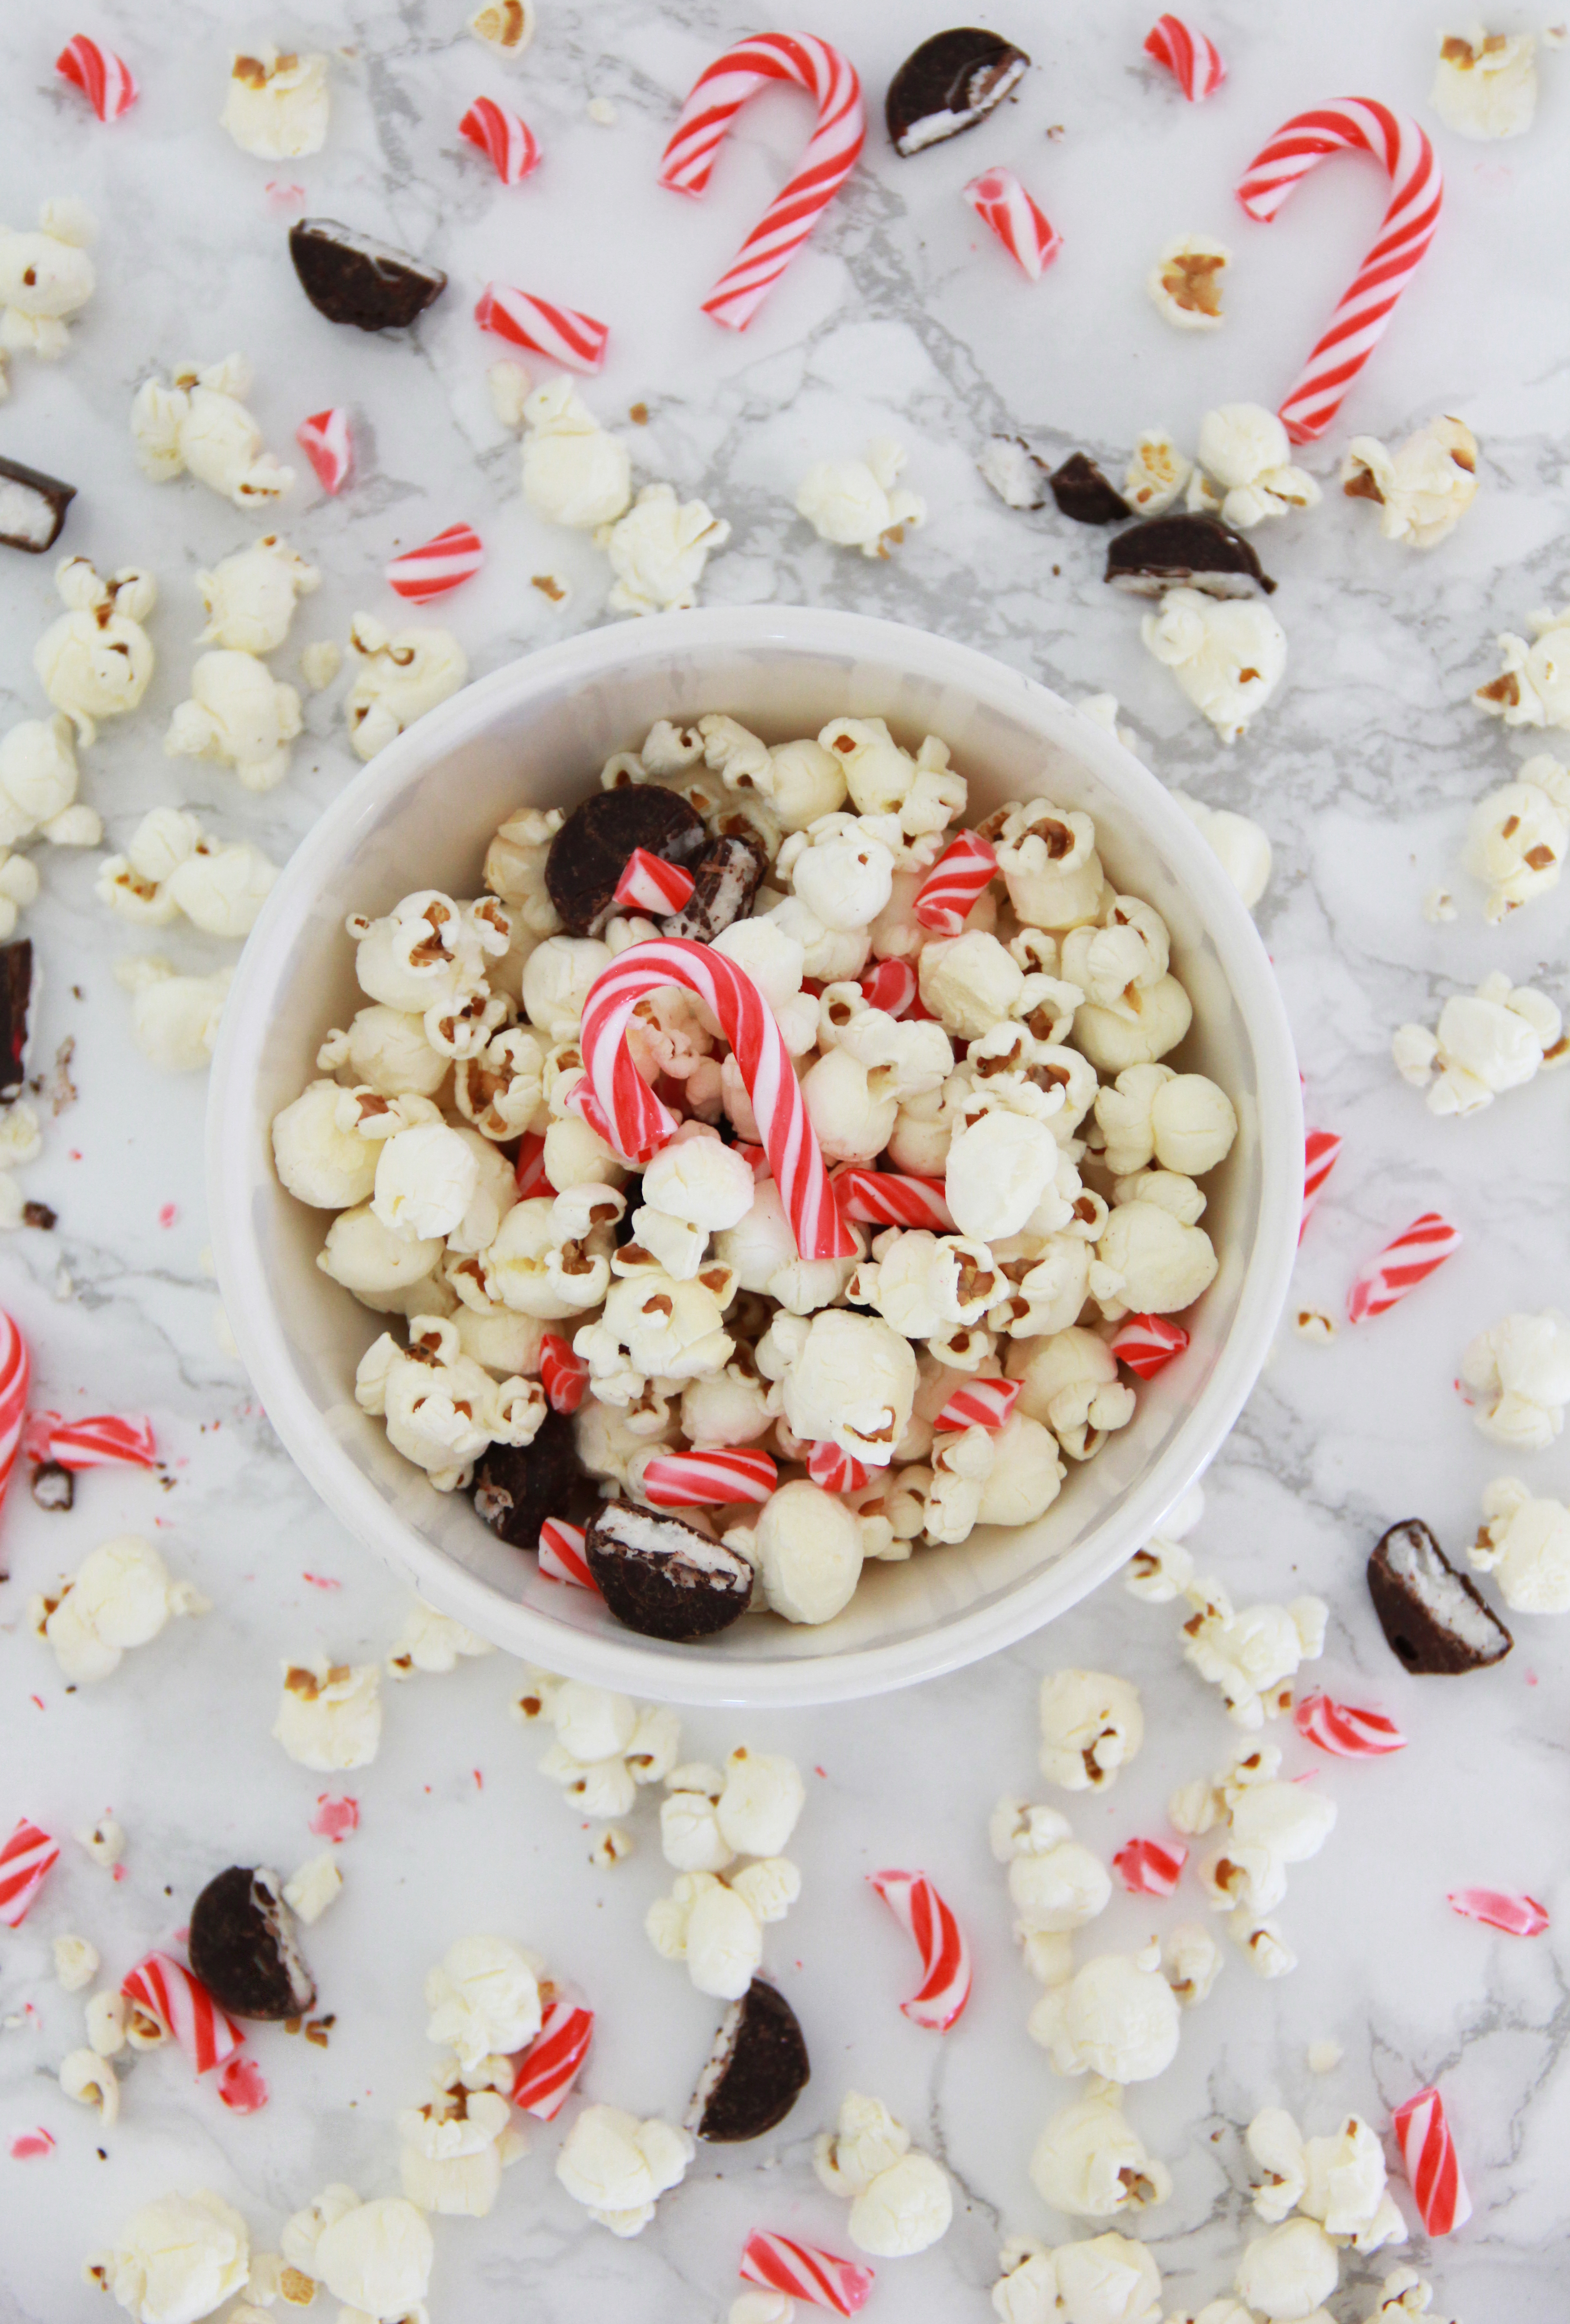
x,y
517,1486
662,1578
1083,493
53,1488
18,990
242,1947
33,507
756,2071
589,853
1193,552
351,278
723,883
949,84
1436,1622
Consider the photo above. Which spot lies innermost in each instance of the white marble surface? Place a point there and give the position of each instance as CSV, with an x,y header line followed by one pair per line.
x,y
903,317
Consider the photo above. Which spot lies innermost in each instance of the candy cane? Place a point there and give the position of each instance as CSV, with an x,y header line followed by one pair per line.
x,y
884,1198
552,2063
1146,1343
105,80
641,1124
510,144
324,438
242,2087
837,1470
890,986
528,1170
186,2010
1195,62
1357,124
755,1159
561,1554
454,556
921,1912
695,1480
1518,1915
1433,2172
105,1440
804,2272
649,884
951,890
15,1377
1402,1265
1016,218
1345,1730
980,1404
24,1864
563,1375
717,96
1151,1867
1321,1152
564,335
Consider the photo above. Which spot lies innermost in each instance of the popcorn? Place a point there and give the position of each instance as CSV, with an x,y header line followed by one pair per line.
x,y
1048,858
1190,1962
1091,1725
607,1747
97,660
698,1179
1423,488
1290,2273
807,1548
658,551
861,504
900,2202
1090,2163
1486,84
320,663
431,1641
239,714
399,676
1054,1883
76,1963
999,1171
556,977
1157,473
1110,2280
1026,1476
1149,1263
454,2149
250,597
38,789
1228,654
1405,2296
1533,689
1338,2182
1184,1122
505,26
841,870
482,1997
883,780
374,2257
120,1596
920,1282
1070,1382
574,472
329,1715
1526,1543
309,1892
46,277
172,867
175,2260
1517,839
762,1798
968,982
442,1408
1185,284
842,1379
515,867
200,425
277,106
105,1841
382,1270
1116,2017
1244,850
1485,1043
717,1927
618,2167
1252,1655
1518,1371
1246,450
92,2081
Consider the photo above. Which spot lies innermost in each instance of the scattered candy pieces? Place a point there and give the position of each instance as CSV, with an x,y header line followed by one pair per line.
x,y
1016,218
693,1480
29,2146
324,438
918,1908
804,2272
561,1554
1432,2170
891,986
452,557
980,1404
335,1817
242,2087
950,890
548,2068
1321,1152
528,1170
1344,1729
105,1440
512,144
563,1375
559,332
1518,1915
1195,62
1146,1343
105,80
25,1863
650,884
186,2010
16,1378
884,1198
837,1470
1401,1266
1149,1868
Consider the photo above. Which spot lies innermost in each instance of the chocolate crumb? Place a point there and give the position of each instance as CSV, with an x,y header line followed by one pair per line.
x,y
39,1215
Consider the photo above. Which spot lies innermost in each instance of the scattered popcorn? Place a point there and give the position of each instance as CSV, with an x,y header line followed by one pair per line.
x,y
1337,2181
91,2081
46,277
121,1597
1091,2164
1109,2279
1228,655
1313,1324
1438,906
399,676
455,2148
1245,451
1405,2296
1158,474
175,2260
1116,2017
484,1997
38,794
507,25
861,504
374,2257
618,2167
309,1892
329,1716
174,1020
277,106
171,866
900,2202
96,660
76,1963
200,425
239,714
108,2018
1486,84
574,472
430,1641
1517,839
1290,2273
1190,1964
1054,1883
1533,689
612,1846
1486,1043
1091,1725
1518,1371
1250,1656
1164,1568
658,551
1424,488
250,598
716,1926
1185,284
105,1841
606,1746
320,663
1242,847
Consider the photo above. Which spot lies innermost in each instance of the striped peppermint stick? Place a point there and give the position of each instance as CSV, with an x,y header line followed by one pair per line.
x,y
698,1480
890,985
921,1912
884,1198
186,2010
1351,124
649,884
1016,218
564,335
324,438
641,1124
1151,1867
1321,1153
104,1440
1194,62
15,1377
1518,1915
1432,2170
548,2068
25,1863
1342,1729
804,2272
1146,1343
980,1404
561,1554
105,80
510,144
563,1375
454,556
948,894
717,96
837,1470
1401,1266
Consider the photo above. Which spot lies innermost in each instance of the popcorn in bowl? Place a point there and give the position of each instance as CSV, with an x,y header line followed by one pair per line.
x,y
754,1181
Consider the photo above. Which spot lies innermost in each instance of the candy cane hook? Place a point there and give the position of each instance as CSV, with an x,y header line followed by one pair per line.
x,y
718,95
1354,125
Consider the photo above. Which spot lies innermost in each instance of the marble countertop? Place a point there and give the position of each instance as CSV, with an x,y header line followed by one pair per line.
x,y
902,318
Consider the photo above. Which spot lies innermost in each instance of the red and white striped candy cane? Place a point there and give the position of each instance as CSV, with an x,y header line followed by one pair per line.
x,y
1146,1343
25,1863
804,2272
641,1124
105,80
529,1169
699,1481
950,890
512,144
182,2005
561,1554
1433,2172
324,438
835,1470
1351,124
921,1912
717,96
884,1198
1517,1914
429,571
548,2068
16,1378
1401,1266
564,335
103,1440
980,1404
890,985
1151,1867
563,1375
1195,62
1345,1730
1321,1152
649,884
1016,218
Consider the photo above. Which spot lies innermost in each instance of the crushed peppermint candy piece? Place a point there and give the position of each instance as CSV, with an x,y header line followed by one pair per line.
x,y
804,2272
511,145
1146,1343
181,2005
1151,1867
692,1480
1433,2170
24,1864
105,80
945,1976
577,340
104,1440
1518,1915
1321,1152
1195,62
563,1375
837,1470
980,1404
561,1554
1401,1266
650,884
547,2070
324,438
452,558
1345,1730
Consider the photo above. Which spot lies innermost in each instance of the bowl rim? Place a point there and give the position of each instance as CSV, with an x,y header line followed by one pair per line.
x,y
625,1662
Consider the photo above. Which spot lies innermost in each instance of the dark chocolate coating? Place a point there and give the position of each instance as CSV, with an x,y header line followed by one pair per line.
x,y
242,1947
758,2070
724,884
590,851
352,277
949,84
53,1488
1196,553
1083,493
517,1486
53,497
1416,1633
15,1013
662,1578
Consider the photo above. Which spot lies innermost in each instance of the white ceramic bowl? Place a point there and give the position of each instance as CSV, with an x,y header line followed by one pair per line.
x,y
536,734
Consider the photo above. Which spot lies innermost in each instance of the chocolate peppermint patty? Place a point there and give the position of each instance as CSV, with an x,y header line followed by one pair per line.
x,y
33,507
663,1578
352,277
723,883
756,2071
949,84
589,853
1436,1622
18,991
242,1947
1193,552
516,1486
1084,494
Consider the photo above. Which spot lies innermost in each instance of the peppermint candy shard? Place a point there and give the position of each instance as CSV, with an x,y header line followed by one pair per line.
x,y
528,1170
692,1480
103,1440
1401,1266
1321,1152
980,1404
886,1198
1148,1868
452,557
1517,1914
26,1860
650,884
324,438
921,1912
1195,62
1432,2169
948,894
1342,1729
577,340
835,1470
511,144
1146,1343
561,1554
181,2005
105,80
890,986
805,2271
563,1375
547,2070
1016,218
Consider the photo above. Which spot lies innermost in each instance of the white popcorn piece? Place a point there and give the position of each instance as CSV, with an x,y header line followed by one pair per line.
x,y
454,2149
900,2202
1288,2272
861,504
399,676
250,598
1338,2182
91,2081
1164,1568
432,1641
239,714
1069,1383
97,660
1116,2017
171,867
1150,1263
175,2260
320,663
1252,1655
920,1282
1157,473
277,106
842,869
658,551
618,2167
441,1407
716,1926
76,1963
1533,689
46,277
968,982
120,1596
1228,655
309,1892
1246,451
515,867
1016,473
612,1846
38,786
574,471
1518,1371
1242,848
509,386
483,1997
1185,283
198,425
1405,2297
700,1180
374,2257
1090,2163
923,793
505,26
763,1797
842,1379
107,2015
1517,838
1183,1122
105,1841
1108,2280
556,977
1525,1543
1000,1170
1091,1726
1486,84
1190,1964
1485,1043
329,1715
806,1549
1423,488
761,2307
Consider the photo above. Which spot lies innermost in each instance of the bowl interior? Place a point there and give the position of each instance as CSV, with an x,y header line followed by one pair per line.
x,y
536,734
